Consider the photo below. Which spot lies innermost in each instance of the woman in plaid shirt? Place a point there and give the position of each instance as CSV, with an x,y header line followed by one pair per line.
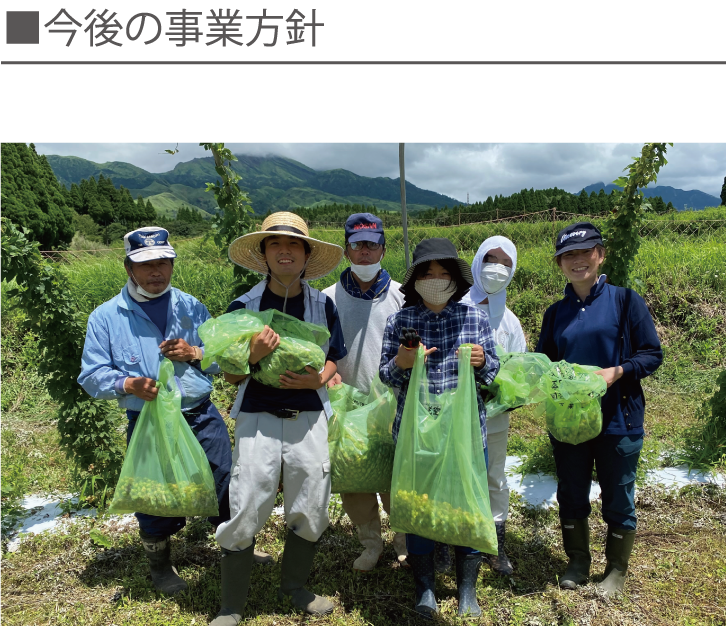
x,y
433,286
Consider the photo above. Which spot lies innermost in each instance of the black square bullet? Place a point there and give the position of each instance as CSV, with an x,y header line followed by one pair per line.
x,y
23,26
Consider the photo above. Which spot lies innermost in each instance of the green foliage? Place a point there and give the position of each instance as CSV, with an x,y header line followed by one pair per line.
x,y
86,425
723,192
621,233
705,446
234,220
32,197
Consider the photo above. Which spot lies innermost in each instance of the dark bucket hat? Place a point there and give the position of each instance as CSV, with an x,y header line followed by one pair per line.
x,y
437,249
579,236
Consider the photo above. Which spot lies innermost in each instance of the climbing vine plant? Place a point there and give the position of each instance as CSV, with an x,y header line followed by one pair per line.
x,y
621,232
234,219
87,427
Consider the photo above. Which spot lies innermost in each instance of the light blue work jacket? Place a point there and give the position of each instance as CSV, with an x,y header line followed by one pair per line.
x,y
122,341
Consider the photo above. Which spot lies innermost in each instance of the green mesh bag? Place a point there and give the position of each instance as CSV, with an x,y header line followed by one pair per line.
x,y
359,438
439,488
165,472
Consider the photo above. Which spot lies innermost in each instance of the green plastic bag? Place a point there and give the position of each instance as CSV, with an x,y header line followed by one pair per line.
x,y
227,341
517,382
568,395
439,488
165,472
572,404
359,438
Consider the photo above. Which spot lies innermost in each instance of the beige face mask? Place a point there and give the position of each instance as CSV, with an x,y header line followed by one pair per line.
x,y
435,290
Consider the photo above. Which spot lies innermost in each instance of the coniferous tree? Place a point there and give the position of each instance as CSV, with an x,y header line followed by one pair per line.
x,y
32,196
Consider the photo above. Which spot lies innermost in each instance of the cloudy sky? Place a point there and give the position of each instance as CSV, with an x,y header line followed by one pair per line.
x,y
480,170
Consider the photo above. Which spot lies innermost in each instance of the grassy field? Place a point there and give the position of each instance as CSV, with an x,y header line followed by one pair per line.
x,y
678,568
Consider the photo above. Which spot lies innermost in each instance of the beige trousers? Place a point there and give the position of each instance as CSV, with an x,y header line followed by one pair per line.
x,y
362,508
496,478
263,445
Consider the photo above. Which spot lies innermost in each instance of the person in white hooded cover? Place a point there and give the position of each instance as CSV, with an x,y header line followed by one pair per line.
x,y
492,269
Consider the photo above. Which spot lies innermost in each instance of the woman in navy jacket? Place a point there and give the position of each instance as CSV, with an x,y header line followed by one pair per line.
x,y
599,324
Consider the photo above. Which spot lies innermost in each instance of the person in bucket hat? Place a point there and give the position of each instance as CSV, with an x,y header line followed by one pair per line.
x,y
366,296
600,324
434,317
285,427
126,339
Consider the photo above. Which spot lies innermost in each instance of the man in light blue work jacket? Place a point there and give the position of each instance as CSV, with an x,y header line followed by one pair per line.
x,y
126,340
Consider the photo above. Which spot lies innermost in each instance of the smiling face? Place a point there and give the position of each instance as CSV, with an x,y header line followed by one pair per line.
x,y
285,256
151,276
582,267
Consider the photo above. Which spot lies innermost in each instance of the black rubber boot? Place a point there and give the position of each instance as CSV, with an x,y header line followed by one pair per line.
x,y
236,569
297,561
576,541
618,547
467,570
424,577
163,573
442,557
500,563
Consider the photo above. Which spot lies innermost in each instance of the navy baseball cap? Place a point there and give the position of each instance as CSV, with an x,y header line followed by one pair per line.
x,y
148,244
364,227
580,236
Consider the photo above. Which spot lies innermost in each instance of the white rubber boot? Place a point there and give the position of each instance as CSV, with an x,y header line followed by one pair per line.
x,y
370,536
399,545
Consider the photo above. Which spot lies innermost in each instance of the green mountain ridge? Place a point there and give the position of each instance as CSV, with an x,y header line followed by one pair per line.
x,y
273,183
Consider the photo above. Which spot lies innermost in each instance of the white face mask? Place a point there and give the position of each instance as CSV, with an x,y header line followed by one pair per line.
x,y
142,292
435,290
366,272
494,277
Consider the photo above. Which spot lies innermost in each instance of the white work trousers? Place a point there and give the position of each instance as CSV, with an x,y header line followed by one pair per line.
x,y
496,478
263,444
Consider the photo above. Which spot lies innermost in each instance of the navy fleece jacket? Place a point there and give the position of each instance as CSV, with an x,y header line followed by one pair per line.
x,y
611,327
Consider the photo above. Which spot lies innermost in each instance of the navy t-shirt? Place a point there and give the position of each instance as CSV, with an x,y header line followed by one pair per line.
x,y
259,397
158,310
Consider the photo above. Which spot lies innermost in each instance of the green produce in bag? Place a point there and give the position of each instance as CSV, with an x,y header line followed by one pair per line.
x,y
439,488
165,472
299,347
359,438
227,339
572,403
517,382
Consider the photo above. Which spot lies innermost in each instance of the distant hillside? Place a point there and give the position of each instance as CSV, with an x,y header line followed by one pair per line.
x,y
692,199
273,184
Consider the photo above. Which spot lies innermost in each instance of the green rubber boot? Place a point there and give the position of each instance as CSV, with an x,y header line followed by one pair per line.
x,y
163,573
297,561
236,569
576,541
618,547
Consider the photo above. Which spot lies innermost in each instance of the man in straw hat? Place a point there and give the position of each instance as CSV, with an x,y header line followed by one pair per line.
x,y
365,296
126,340
281,427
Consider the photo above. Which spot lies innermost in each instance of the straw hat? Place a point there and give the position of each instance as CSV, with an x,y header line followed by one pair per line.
x,y
245,250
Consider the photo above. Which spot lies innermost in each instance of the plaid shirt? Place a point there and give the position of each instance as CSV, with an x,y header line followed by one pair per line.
x,y
456,324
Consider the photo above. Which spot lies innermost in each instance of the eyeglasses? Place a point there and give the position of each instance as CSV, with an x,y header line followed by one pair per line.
x,y
357,245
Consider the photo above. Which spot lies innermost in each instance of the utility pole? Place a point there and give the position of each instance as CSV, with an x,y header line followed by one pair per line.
x,y
404,217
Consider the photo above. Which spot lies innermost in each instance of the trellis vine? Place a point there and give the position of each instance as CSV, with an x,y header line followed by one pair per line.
x,y
87,426
620,235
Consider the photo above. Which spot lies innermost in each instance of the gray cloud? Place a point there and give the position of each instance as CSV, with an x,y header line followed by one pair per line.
x,y
480,170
